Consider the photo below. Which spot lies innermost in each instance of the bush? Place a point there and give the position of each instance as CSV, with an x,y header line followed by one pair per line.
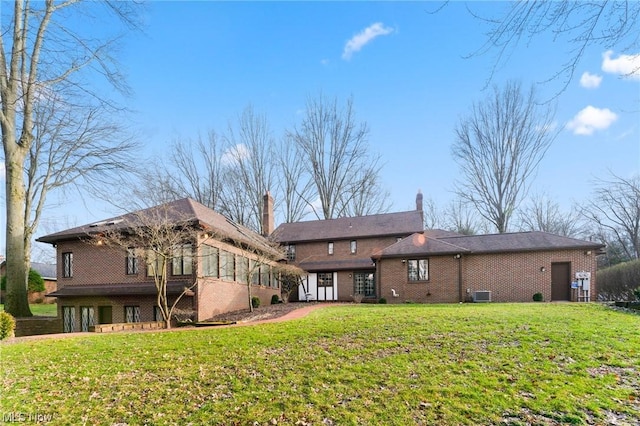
x,y
382,301
619,281
7,325
255,302
637,293
36,283
275,299
538,297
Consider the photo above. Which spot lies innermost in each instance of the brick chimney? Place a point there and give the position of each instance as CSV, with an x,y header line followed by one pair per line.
x,y
268,222
419,200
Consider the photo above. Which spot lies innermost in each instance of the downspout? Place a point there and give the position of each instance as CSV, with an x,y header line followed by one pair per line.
x,y
459,257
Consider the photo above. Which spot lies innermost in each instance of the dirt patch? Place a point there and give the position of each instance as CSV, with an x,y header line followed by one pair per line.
x,y
262,313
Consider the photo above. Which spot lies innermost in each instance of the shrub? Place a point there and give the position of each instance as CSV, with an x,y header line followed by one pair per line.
x,y
35,281
7,325
637,293
538,297
275,299
382,301
255,302
619,281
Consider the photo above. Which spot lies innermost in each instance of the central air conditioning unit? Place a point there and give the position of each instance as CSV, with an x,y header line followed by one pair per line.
x,y
482,296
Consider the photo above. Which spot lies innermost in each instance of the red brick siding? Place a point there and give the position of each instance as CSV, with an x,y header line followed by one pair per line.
x,y
511,277
318,251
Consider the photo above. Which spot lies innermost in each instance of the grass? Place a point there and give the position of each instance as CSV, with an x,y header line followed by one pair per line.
x,y
361,364
41,309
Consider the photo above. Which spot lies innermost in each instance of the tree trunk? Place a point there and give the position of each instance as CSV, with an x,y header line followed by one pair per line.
x,y
16,300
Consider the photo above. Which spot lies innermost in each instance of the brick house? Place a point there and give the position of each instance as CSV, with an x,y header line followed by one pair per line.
x,y
390,256
444,267
337,253
108,285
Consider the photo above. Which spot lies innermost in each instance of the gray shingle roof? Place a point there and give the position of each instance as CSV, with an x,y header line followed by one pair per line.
x,y
46,270
386,224
183,210
421,244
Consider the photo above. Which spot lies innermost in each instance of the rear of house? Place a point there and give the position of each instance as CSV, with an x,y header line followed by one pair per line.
x,y
105,285
511,267
337,253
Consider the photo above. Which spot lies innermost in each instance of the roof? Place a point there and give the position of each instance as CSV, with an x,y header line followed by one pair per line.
x,y
46,270
336,265
422,244
385,224
180,211
126,289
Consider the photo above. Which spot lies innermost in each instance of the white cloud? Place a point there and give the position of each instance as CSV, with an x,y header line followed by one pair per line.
x,y
591,119
590,81
625,65
359,40
235,154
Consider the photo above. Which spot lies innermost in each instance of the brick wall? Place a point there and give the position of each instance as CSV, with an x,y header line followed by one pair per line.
x,y
37,325
511,277
318,250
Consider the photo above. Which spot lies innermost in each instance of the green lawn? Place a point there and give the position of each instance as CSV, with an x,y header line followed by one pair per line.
x,y
41,309
470,364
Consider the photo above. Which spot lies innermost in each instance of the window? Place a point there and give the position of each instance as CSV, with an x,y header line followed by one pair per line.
x,y
210,261
291,252
87,318
69,319
255,273
155,263
364,283
132,262
182,260
227,265
325,279
67,265
157,314
418,269
243,269
398,239
265,275
353,246
330,248
132,313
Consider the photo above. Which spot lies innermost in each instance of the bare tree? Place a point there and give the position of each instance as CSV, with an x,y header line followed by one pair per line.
x,y
368,197
498,148
460,218
543,214
335,152
608,24
295,187
432,216
161,237
290,279
615,210
44,56
249,162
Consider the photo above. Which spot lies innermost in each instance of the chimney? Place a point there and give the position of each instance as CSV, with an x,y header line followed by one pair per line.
x,y
268,223
419,200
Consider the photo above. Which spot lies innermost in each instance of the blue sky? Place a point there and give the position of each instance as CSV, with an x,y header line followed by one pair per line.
x,y
199,64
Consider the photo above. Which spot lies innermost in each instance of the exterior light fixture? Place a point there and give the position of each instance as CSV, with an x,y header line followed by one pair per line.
x,y
588,252
543,269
